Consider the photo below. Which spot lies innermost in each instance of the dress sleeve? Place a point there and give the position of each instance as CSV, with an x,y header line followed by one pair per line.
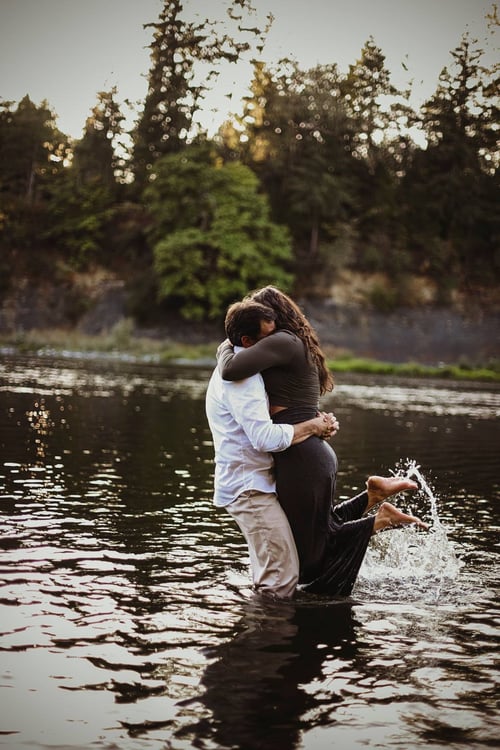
x,y
271,351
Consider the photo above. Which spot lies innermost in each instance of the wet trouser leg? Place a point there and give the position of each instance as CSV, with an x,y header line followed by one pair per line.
x,y
273,554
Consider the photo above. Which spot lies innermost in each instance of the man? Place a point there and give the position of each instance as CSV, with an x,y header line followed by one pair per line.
x,y
244,437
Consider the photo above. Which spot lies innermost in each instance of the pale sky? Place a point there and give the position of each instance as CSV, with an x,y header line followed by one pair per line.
x,y
66,51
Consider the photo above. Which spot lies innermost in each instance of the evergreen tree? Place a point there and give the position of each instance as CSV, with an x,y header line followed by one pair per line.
x,y
33,153
294,123
327,150
452,188
181,52
95,160
370,101
377,139
83,200
80,226
32,149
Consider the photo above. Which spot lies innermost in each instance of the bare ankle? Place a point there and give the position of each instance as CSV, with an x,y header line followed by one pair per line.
x,y
380,488
388,516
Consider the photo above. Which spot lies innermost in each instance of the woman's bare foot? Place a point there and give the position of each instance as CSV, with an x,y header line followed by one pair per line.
x,y
388,516
380,488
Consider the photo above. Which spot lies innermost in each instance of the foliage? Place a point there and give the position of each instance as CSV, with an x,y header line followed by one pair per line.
x,y
185,57
213,239
81,216
32,149
318,172
326,146
82,200
294,123
32,156
51,202
95,161
451,190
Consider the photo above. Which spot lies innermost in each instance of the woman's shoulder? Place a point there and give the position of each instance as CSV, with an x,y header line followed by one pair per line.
x,y
286,337
288,341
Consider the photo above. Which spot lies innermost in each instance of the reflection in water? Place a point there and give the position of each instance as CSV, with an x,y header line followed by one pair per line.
x,y
361,674
126,618
256,684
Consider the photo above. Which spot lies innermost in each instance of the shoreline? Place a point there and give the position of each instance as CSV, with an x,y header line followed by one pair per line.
x,y
121,346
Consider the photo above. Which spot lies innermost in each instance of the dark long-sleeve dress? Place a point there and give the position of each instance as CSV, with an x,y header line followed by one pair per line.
x,y
331,539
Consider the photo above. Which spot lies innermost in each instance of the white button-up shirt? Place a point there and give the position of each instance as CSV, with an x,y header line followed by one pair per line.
x,y
244,437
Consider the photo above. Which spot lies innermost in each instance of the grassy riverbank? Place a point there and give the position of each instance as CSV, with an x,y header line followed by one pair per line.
x,y
489,372
121,343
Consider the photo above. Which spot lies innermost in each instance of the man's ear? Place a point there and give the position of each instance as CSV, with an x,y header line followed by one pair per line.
x,y
247,341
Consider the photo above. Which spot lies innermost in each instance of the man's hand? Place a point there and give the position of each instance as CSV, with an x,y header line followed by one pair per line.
x,y
323,425
328,425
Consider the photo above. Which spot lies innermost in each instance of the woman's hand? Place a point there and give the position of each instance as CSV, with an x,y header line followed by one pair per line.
x,y
226,344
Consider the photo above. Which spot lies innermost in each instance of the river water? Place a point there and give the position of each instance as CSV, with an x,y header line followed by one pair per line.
x,y
126,616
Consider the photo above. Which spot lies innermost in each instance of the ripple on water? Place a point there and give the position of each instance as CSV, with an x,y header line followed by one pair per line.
x,y
421,397
126,616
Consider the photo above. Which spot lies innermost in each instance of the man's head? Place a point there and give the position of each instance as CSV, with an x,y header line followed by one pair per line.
x,y
248,321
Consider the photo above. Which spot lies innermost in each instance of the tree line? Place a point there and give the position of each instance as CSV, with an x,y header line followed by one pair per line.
x,y
320,171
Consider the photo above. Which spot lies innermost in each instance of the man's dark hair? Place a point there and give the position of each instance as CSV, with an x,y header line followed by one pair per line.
x,y
244,318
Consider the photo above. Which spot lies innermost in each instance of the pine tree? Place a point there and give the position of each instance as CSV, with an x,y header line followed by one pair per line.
x,y
95,160
326,149
33,153
452,188
181,52
32,149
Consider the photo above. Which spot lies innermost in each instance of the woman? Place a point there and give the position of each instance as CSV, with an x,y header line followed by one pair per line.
x,y
331,540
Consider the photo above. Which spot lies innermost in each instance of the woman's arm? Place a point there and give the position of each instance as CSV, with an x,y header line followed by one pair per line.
x,y
276,349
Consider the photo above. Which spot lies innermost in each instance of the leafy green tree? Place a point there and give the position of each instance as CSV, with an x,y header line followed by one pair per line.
x,y
212,236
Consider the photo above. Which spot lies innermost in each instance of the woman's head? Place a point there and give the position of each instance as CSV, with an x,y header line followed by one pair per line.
x,y
288,314
289,317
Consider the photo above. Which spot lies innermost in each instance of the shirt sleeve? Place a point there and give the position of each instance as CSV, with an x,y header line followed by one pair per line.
x,y
248,402
276,349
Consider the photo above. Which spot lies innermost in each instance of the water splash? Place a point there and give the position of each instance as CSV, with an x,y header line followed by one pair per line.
x,y
413,472
408,561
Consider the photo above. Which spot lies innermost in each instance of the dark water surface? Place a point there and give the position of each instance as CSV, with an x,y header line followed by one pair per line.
x,y
126,616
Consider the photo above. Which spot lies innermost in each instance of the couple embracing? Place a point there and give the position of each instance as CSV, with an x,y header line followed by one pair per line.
x,y
275,471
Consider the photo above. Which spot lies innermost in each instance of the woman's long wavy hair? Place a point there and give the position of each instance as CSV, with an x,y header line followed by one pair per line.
x,y
290,317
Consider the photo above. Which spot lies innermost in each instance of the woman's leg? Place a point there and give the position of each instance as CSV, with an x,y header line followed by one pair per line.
x,y
377,490
388,516
350,510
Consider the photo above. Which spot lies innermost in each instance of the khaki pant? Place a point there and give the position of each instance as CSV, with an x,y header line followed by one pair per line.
x,y
273,555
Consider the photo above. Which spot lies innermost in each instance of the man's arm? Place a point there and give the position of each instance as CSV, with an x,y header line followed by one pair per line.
x,y
323,426
248,403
